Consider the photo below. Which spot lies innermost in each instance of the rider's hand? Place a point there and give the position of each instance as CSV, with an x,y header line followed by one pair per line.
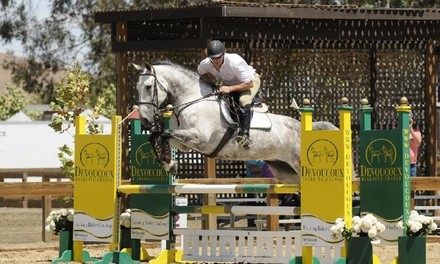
x,y
224,89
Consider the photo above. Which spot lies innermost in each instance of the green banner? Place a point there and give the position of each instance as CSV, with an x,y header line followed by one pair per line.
x,y
384,173
150,218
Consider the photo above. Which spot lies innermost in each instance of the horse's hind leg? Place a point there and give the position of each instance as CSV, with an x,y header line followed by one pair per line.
x,y
284,172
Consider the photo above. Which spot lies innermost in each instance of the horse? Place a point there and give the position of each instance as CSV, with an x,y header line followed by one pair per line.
x,y
198,124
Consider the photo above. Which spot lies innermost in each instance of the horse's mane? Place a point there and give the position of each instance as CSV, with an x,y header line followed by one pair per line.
x,y
178,67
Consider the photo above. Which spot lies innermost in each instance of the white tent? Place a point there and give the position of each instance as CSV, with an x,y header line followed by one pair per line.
x,y
19,117
32,147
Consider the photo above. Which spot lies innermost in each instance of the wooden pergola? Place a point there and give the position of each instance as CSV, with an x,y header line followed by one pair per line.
x,y
318,52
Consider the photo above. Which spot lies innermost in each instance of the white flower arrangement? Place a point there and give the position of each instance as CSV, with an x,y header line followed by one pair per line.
x,y
366,225
125,219
418,225
60,220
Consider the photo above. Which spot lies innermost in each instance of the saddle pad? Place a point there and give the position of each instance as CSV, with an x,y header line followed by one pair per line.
x,y
259,120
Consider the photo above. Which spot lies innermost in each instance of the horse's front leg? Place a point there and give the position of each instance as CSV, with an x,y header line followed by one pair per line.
x,y
162,150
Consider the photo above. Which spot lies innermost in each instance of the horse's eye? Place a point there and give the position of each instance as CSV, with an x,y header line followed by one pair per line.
x,y
147,85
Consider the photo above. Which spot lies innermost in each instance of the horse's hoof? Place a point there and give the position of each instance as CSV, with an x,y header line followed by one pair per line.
x,y
170,167
167,166
174,167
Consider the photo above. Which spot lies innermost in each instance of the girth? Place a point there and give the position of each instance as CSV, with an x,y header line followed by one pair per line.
x,y
226,137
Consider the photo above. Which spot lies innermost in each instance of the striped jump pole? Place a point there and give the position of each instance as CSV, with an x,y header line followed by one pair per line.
x,y
208,189
237,210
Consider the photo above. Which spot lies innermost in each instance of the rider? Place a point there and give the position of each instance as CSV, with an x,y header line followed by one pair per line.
x,y
231,73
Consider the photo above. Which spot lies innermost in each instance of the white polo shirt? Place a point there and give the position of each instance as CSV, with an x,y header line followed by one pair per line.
x,y
233,71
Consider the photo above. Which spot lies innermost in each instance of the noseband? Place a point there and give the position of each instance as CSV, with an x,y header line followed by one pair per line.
x,y
157,84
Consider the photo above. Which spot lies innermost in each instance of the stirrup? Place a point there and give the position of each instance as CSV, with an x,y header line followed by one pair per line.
x,y
244,141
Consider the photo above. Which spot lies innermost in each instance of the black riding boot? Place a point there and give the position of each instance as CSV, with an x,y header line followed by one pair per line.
x,y
243,138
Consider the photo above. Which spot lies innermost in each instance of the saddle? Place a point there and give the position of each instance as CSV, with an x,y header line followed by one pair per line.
x,y
230,111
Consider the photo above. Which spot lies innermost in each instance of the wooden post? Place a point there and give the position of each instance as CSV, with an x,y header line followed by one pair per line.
x,y
272,221
210,222
122,100
24,198
46,208
431,111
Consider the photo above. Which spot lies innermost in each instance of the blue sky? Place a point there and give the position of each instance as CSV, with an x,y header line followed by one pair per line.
x,y
41,8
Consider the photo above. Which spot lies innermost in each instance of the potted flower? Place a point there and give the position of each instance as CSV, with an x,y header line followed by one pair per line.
x,y
418,225
125,223
60,222
125,219
126,241
412,247
360,236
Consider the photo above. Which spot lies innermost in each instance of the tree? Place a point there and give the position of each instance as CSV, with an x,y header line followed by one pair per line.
x,y
69,35
11,101
72,98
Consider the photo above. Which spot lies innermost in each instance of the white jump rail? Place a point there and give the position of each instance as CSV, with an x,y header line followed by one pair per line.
x,y
238,246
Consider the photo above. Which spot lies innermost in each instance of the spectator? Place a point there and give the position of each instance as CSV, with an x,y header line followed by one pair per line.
x,y
258,168
415,138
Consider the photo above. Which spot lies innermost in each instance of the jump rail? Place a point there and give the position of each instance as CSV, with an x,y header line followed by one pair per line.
x,y
47,189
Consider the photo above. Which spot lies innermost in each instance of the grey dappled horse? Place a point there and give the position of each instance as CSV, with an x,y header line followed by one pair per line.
x,y
197,122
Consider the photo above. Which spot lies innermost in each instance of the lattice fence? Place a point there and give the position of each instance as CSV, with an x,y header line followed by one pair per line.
x,y
323,75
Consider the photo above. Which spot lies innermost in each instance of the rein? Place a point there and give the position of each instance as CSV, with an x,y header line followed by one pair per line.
x,y
183,106
161,109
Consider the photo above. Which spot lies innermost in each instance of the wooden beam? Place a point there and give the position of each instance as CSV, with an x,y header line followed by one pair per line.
x,y
275,11
170,44
425,183
18,173
8,189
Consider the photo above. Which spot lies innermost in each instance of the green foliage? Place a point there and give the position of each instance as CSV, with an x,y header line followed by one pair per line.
x,y
65,155
106,102
73,97
11,101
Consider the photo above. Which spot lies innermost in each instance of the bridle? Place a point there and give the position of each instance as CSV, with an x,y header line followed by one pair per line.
x,y
156,84
155,127
161,108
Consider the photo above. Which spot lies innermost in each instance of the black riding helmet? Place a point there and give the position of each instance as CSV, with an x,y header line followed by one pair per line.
x,y
216,48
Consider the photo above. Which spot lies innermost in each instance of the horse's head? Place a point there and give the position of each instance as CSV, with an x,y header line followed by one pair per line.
x,y
152,94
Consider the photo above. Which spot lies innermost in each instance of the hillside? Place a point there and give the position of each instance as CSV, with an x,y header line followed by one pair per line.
x,y
5,76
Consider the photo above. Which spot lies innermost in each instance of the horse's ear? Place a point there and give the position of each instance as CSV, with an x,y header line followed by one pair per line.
x,y
147,66
137,67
